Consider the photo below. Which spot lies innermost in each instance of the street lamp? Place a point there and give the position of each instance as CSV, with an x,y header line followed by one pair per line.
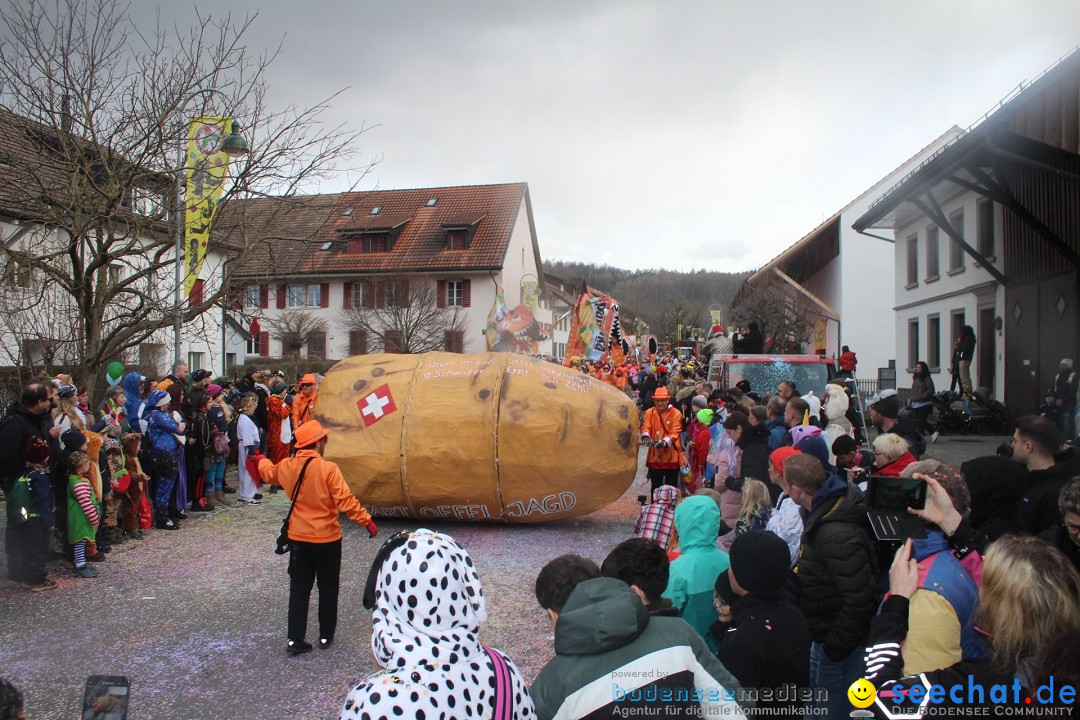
x,y
233,145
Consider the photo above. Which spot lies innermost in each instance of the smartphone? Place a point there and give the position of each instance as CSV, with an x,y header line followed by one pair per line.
x,y
106,697
896,493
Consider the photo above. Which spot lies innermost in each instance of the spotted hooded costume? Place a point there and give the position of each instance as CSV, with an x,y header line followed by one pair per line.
x,y
428,606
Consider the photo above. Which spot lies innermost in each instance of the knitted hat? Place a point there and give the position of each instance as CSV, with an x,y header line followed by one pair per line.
x,y
1067,362
843,445
760,561
37,451
744,385
886,403
200,375
72,440
661,368
277,386
705,416
779,455
803,431
700,401
723,589
213,390
158,397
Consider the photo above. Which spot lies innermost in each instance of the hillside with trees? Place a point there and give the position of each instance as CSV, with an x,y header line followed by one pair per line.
x,y
662,299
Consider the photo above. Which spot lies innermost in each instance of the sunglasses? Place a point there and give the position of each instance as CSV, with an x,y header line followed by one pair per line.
x,y
392,543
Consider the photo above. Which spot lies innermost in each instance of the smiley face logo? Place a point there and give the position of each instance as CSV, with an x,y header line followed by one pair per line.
x,y
862,693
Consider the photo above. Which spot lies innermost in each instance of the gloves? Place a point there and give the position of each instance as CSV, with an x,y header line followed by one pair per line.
x,y
667,442
372,529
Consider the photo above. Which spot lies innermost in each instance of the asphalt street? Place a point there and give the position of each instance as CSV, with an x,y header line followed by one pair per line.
x,y
196,618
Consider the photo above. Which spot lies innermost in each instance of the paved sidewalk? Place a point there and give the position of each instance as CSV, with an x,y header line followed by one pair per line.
x,y
196,618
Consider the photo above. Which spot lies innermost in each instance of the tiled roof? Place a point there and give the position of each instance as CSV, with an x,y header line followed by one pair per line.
x,y
420,240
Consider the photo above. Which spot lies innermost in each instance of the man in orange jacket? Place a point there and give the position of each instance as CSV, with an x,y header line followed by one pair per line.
x,y
314,531
304,401
660,430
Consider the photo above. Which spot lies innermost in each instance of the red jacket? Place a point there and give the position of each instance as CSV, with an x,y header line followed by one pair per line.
x,y
897,466
847,361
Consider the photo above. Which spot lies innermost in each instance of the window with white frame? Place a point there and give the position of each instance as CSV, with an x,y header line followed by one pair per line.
x,y
359,296
294,296
956,252
195,360
314,295
251,347
251,296
455,294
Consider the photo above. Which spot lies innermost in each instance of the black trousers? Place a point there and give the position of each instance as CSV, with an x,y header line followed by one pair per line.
x,y
309,562
662,477
27,549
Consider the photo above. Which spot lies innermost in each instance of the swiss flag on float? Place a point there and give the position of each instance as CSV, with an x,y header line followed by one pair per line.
x,y
376,405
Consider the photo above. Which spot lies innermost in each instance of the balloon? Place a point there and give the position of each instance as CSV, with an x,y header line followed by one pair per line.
x,y
114,373
494,437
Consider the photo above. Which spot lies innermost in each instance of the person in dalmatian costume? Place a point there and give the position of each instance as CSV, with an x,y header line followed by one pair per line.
x,y
427,609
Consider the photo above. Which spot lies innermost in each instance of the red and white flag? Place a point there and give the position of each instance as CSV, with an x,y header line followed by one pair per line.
x,y
376,405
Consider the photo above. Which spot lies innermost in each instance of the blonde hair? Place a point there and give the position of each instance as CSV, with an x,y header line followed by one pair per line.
x,y
1030,595
68,407
755,496
891,444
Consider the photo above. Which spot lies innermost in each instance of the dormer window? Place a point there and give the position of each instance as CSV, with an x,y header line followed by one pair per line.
x,y
370,243
457,239
376,210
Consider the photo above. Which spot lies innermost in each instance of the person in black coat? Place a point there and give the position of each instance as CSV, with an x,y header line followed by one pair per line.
x,y
767,644
753,440
752,343
1066,536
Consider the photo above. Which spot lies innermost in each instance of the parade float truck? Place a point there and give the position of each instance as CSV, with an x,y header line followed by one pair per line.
x,y
496,437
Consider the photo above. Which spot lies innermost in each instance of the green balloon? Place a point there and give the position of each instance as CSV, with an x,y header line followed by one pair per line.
x,y
114,373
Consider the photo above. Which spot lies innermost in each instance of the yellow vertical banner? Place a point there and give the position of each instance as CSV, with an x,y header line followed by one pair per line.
x,y
205,168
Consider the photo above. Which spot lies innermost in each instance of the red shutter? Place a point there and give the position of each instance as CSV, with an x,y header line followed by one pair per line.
x,y
356,245
195,297
403,299
264,343
346,300
440,294
281,290
380,294
466,293
324,295
264,296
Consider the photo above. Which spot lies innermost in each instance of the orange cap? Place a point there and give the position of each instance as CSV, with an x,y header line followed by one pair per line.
x,y
310,433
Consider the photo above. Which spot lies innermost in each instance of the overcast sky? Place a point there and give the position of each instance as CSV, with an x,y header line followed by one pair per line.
x,y
656,133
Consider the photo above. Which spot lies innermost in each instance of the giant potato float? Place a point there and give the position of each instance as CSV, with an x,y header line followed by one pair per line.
x,y
496,437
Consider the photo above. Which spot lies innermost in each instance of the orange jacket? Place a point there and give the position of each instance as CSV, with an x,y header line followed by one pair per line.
x,y
301,409
659,457
324,493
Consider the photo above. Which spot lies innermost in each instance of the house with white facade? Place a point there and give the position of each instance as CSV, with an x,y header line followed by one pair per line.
x,y
842,280
467,253
988,235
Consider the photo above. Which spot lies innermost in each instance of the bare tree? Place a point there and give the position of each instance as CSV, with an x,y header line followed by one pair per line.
x,y
783,320
95,113
405,314
295,329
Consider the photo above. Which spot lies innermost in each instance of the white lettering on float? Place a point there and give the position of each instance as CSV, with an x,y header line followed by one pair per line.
x,y
459,512
549,504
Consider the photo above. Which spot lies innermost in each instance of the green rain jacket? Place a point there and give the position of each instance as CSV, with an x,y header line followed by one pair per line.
x,y
694,572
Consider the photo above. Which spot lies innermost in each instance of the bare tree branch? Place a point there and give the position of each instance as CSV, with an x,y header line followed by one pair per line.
x,y
403,314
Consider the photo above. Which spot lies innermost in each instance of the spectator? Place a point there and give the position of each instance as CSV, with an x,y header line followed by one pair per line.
x,y
775,409
304,401
247,439
11,702
1034,443
28,539
31,416
753,443
164,455
891,455
837,574
850,457
1066,537
786,390
83,512
1065,383
218,418
963,354
941,628
922,399
885,416
847,362
314,531
428,642
645,567
601,630
756,507
767,646
693,573
786,522
751,342
656,522
1027,601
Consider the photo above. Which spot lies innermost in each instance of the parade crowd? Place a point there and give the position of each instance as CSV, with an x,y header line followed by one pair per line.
x,y
155,450
751,582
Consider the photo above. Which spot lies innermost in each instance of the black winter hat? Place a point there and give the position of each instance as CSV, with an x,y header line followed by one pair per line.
x,y
72,440
887,404
760,561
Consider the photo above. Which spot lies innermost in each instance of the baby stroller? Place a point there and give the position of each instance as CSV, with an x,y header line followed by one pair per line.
x,y
948,415
988,416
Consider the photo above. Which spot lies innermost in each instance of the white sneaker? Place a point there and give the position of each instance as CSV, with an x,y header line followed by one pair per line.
x,y
934,436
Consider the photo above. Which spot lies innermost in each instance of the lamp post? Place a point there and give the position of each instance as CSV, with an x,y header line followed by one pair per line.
x,y
233,145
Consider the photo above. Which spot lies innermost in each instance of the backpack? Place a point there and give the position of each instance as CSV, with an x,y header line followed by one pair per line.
x,y
232,430
20,502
